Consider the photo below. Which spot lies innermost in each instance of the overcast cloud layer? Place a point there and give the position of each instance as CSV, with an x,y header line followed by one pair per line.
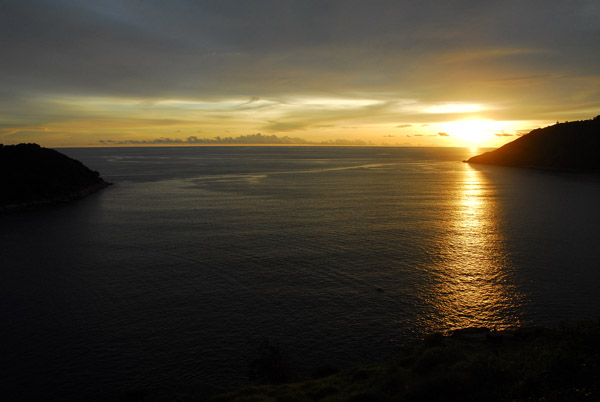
x,y
129,68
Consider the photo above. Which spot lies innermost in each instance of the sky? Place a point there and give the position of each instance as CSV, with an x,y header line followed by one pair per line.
x,y
408,73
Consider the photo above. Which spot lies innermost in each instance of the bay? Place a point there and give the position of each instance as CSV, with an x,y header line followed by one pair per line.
x,y
170,280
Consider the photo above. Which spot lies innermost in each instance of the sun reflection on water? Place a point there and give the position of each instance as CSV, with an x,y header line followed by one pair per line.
x,y
473,284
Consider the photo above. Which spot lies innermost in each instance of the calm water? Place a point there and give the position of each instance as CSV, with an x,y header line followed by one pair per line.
x,y
170,280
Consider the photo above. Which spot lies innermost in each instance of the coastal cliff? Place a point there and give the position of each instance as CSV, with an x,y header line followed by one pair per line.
x,y
570,146
32,175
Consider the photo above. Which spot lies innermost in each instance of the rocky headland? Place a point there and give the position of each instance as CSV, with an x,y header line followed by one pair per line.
x,y
31,175
570,146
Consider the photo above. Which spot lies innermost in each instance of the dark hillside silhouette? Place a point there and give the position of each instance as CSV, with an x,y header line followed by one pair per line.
x,y
563,146
32,175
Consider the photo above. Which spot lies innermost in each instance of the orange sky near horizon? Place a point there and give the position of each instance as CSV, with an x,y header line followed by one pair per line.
x,y
398,73
130,122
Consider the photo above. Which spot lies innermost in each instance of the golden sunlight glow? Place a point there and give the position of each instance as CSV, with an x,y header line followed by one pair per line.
x,y
455,108
472,285
473,132
315,119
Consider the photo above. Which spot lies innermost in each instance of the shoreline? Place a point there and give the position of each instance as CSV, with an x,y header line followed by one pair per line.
x,y
62,199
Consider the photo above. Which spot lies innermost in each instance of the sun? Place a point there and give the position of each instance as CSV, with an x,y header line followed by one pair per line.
x,y
473,132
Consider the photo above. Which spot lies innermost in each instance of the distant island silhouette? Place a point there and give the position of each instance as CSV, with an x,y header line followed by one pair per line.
x,y
250,139
570,146
32,175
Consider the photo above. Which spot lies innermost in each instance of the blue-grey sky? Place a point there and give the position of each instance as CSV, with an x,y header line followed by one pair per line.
x,y
398,72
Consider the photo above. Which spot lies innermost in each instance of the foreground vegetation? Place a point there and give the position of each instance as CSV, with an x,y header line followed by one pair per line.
x,y
536,364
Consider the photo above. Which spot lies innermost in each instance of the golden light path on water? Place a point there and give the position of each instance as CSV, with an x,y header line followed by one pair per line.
x,y
474,285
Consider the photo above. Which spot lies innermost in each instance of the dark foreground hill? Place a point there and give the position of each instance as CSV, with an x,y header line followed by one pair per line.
x,y
522,365
563,146
33,175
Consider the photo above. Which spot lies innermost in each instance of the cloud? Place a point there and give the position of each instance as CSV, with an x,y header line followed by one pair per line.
x,y
13,130
301,114
251,139
443,134
246,61
243,139
253,99
225,47
503,135
487,53
287,126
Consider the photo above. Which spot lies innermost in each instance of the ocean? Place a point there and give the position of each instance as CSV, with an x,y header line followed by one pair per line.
x,y
168,282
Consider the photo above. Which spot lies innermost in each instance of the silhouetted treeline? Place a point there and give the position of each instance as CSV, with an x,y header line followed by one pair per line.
x,y
30,175
564,146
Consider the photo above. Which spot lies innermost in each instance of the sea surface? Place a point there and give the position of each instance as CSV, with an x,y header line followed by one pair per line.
x,y
168,282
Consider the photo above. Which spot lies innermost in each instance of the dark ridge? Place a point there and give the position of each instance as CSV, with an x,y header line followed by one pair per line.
x,y
472,365
570,146
31,175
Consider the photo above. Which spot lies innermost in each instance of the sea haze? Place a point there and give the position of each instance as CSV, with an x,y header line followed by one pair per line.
x,y
171,279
